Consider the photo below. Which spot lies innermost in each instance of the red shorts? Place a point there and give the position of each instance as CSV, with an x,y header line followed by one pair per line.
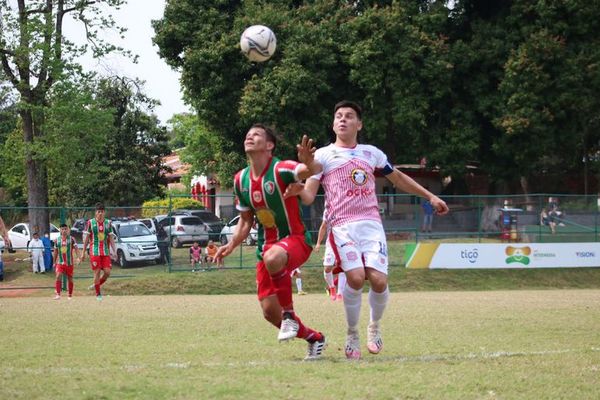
x,y
298,252
64,269
100,262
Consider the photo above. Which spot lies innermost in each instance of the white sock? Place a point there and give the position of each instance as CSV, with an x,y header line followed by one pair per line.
x,y
341,282
378,301
299,284
352,301
328,278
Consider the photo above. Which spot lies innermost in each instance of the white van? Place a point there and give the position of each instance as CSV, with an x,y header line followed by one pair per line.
x,y
134,243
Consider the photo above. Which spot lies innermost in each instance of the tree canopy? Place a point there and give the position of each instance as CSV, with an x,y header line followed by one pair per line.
x,y
507,86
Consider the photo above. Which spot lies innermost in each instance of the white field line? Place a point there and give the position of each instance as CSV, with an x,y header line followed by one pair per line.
x,y
371,359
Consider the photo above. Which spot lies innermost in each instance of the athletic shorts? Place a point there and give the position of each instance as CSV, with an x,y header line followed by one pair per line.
x,y
100,262
361,244
329,257
64,269
298,252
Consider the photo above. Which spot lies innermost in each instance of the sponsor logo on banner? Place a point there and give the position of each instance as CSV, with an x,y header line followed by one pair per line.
x,y
470,255
518,255
585,254
539,254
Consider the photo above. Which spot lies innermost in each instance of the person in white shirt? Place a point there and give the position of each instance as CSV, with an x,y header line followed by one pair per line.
x,y
348,177
36,249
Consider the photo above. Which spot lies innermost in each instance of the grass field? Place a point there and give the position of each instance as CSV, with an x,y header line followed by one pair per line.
x,y
438,345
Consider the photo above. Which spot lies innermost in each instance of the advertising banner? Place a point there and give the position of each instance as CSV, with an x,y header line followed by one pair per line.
x,y
506,255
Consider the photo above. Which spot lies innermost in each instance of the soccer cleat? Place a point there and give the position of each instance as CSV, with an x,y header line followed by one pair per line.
x,y
340,297
70,297
352,349
332,293
315,349
57,296
289,328
301,292
374,341
99,297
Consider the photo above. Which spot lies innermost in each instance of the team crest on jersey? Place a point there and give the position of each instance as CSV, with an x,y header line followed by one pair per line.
x,y
367,153
257,196
358,176
269,187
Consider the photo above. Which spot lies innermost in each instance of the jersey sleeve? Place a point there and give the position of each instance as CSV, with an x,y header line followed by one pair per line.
x,y
288,171
320,157
381,162
241,203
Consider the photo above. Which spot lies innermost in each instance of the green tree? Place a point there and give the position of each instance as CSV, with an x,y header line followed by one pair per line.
x,y
131,169
35,55
205,151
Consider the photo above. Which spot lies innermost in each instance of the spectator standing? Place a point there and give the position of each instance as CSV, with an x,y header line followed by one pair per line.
x,y
4,235
47,252
36,249
428,212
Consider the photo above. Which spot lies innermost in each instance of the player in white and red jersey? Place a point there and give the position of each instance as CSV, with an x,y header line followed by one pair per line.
x,y
283,241
348,177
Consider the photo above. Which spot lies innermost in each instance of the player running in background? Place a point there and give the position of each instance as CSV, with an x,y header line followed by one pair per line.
x,y
64,251
98,238
297,273
283,241
348,178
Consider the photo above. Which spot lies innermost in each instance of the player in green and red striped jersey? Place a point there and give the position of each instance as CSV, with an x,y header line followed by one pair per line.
x,y
283,241
64,253
97,236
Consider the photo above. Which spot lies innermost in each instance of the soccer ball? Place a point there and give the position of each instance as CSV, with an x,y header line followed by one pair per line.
x,y
258,43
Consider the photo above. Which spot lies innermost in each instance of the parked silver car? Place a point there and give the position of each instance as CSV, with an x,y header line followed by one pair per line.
x,y
134,242
229,228
184,229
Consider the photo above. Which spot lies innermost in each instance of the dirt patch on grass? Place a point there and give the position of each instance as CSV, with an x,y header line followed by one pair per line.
x,y
17,291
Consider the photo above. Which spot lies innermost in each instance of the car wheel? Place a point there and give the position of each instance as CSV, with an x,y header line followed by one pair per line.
x,y
249,241
175,242
121,259
223,239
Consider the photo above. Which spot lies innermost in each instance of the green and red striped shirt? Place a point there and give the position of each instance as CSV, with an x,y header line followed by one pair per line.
x,y
65,247
99,232
277,217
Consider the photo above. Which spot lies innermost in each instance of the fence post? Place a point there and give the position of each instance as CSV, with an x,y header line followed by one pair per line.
x,y
169,261
479,219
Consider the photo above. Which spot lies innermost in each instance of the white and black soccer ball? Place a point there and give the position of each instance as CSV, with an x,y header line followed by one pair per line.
x,y
258,43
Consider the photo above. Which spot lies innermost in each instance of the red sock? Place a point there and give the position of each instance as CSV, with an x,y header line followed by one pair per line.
x,y
70,285
97,287
306,333
102,280
282,281
58,286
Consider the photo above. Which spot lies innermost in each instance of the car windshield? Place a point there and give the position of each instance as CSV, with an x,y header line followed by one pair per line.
x,y
126,231
191,221
206,216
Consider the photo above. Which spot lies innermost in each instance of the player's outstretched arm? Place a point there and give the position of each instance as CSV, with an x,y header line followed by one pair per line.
x,y
306,155
242,230
409,185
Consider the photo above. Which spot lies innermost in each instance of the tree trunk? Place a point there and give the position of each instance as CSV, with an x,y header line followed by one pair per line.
x,y
525,186
37,179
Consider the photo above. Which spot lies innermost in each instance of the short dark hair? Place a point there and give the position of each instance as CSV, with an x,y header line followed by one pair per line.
x,y
349,104
99,206
63,226
268,131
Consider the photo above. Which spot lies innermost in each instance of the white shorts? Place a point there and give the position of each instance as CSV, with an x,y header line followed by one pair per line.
x,y
361,244
329,257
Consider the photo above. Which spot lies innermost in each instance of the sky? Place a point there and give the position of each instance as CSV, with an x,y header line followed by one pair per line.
x,y
162,82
